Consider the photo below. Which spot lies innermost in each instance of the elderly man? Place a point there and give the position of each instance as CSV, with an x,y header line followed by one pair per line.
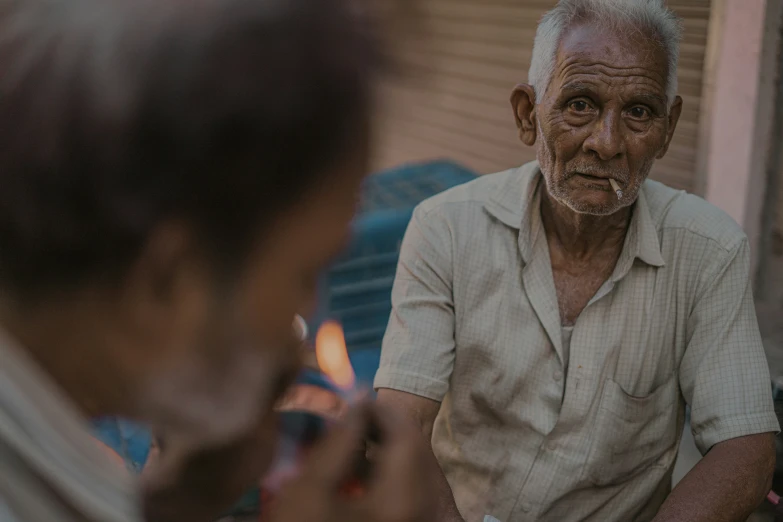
x,y
548,332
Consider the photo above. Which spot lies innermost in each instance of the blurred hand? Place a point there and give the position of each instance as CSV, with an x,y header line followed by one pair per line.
x,y
200,485
191,478
398,490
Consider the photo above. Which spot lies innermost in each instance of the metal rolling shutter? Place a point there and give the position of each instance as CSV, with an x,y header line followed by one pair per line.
x,y
476,51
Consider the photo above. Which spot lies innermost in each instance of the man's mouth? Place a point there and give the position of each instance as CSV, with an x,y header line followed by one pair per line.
x,y
598,180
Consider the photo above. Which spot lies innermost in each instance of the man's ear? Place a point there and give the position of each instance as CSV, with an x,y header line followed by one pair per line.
x,y
523,101
672,119
167,287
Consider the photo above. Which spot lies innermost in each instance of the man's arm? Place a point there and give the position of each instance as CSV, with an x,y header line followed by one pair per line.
x,y
725,379
423,412
419,347
726,485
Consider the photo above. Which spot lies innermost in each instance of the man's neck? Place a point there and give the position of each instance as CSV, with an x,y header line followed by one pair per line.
x,y
64,346
583,236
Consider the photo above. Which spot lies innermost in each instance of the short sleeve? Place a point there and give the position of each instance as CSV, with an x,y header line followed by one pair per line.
x,y
418,349
724,375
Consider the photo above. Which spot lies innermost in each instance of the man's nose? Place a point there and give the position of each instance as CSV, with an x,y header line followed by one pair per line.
x,y
606,139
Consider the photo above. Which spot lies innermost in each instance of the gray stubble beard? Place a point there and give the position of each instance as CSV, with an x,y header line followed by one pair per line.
x,y
559,193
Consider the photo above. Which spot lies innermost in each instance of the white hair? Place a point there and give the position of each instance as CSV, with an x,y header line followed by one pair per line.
x,y
651,17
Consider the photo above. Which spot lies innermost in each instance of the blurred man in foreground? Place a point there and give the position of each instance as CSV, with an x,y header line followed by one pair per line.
x,y
549,329
174,177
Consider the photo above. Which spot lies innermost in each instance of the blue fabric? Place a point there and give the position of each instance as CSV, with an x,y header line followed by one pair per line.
x,y
131,441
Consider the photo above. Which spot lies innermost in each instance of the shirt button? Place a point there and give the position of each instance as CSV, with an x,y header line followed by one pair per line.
x,y
526,507
558,375
551,445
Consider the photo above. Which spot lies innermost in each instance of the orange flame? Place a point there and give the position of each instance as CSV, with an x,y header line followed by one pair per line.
x,y
332,355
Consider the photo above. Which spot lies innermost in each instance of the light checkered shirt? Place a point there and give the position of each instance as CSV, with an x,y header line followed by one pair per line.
x,y
522,435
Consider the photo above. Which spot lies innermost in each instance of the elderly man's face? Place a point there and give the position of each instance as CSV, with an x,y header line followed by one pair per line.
x,y
603,116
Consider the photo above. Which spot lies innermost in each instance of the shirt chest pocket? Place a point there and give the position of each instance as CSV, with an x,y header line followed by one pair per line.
x,y
631,434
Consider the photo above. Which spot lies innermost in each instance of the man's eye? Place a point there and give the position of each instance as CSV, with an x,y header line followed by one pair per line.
x,y
578,106
639,113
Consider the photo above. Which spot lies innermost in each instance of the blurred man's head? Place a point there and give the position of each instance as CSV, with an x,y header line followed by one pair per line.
x,y
175,176
602,98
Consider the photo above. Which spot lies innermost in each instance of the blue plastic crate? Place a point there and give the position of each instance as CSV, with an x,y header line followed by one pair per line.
x,y
404,187
357,289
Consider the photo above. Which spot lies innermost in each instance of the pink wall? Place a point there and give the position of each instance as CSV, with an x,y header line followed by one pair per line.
x,y
741,109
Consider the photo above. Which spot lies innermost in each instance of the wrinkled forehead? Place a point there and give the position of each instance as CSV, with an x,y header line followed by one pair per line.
x,y
610,58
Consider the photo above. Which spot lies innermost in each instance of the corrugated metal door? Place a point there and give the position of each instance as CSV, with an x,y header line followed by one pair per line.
x,y
476,51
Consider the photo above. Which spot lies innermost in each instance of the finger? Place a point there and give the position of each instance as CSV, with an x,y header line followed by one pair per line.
x,y
332,460
309,502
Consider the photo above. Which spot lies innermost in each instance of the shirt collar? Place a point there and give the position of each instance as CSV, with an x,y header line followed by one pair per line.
x,y
516,202
642,241
47,431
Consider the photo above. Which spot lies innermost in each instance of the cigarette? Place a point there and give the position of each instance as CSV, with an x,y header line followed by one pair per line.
x,y
616,188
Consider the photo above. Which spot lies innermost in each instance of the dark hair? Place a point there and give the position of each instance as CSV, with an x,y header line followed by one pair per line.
x,y
118,114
